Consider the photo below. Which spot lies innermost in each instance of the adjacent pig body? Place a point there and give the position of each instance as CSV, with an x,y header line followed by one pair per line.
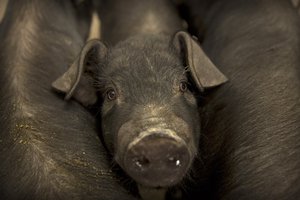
x,y
48,149
253,128
3,4
147,81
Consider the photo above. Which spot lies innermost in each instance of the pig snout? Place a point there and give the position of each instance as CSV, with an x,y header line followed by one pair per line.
x,y
156,147
159,158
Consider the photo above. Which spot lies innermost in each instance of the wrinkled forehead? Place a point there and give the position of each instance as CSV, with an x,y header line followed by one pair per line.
x,y
144,59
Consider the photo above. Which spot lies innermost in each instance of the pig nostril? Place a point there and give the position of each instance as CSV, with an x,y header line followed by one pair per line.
x,y
142,162
174,161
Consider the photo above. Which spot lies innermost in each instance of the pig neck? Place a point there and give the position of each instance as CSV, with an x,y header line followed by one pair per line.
x,y
123,19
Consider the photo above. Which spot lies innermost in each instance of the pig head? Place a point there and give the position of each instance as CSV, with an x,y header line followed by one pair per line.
x,y
148,87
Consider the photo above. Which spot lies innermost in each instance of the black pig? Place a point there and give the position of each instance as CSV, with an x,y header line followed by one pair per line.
x,y
149,113
48,150
253,128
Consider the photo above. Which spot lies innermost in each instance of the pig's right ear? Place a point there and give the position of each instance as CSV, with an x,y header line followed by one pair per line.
x,y
76,82
203,71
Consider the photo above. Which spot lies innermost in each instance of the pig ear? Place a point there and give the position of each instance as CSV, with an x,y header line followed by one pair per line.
x,y
76,82
203,71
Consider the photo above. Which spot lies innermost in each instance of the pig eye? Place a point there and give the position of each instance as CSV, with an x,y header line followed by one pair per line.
x,y
183,86
111,95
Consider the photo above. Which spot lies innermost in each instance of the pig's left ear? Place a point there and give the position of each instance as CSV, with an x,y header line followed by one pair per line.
x,y
203,71
77,81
